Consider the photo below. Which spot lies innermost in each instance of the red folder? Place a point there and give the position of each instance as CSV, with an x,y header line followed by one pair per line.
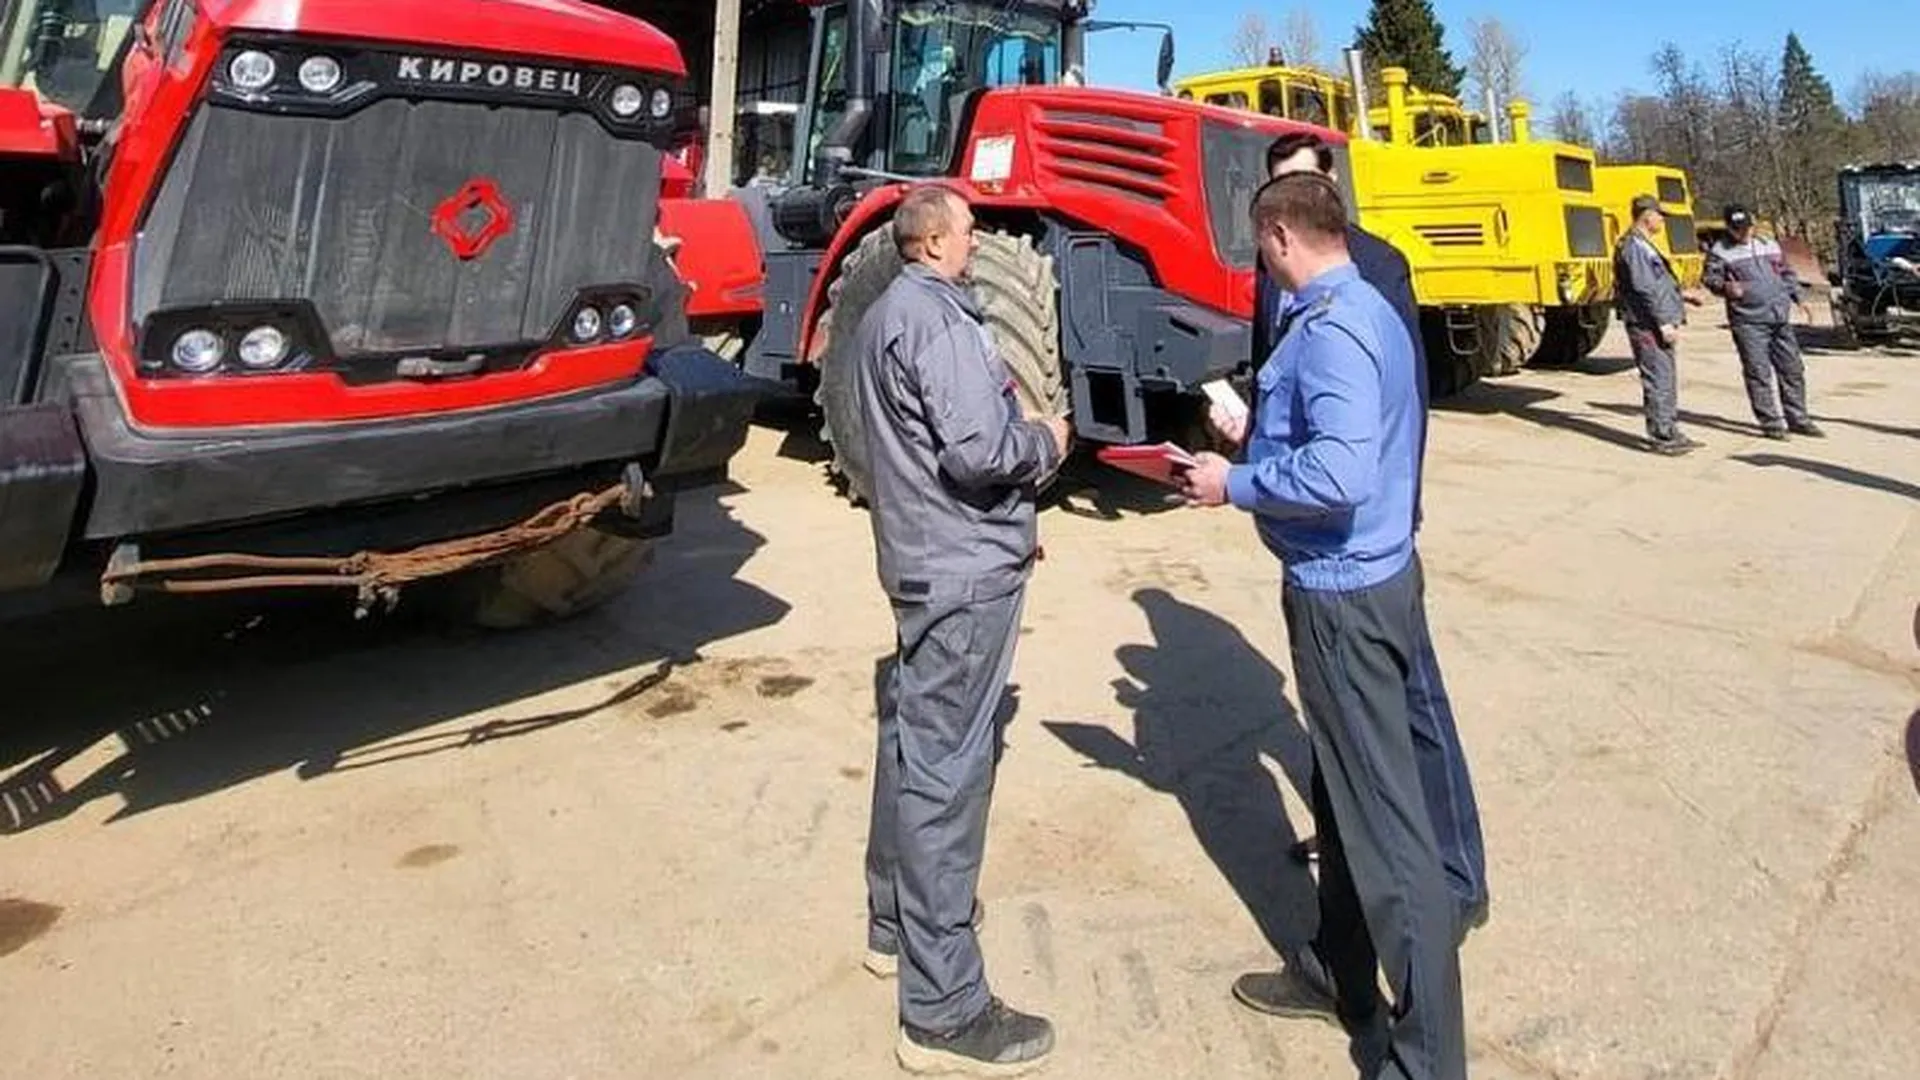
x,y
1159,462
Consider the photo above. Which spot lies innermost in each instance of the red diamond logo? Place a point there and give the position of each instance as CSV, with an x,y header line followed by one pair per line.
x,y
471,219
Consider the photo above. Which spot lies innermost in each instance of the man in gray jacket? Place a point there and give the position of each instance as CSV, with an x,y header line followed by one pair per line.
x,y
955,471
1761,291
1647,294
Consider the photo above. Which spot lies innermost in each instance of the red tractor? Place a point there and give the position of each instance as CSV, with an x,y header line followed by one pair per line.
x,y
321,293
1116,259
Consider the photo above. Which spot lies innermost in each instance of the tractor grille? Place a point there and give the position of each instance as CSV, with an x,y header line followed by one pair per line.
x,y
340,212
1109,154
1586,232
1453,235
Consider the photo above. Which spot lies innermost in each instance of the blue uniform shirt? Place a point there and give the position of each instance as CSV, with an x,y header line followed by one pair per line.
x,y
1333,444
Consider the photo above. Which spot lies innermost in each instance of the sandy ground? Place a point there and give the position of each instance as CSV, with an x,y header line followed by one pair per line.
x,y
276,843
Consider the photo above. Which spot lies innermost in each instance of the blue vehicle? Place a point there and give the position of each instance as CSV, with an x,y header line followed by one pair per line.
x,y
1877,284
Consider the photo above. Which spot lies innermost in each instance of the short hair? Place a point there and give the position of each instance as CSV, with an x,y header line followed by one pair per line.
x,y
926,211
1306,203
1292,143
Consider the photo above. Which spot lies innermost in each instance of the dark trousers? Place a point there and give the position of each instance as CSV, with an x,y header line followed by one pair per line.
x,y
932,783
1659,382
1770,351
1384,900
1442,761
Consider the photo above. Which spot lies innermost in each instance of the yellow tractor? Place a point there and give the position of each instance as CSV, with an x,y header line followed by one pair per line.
x,y
1508,242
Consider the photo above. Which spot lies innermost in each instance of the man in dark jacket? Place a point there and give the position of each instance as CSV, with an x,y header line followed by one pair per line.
x,y
955,471
1652,309
1761,291
1303,988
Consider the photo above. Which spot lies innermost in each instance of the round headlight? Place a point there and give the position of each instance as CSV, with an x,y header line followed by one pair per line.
x,y
622,320
586,324
198,351
251,70
263,347
626,101
320,74
662,104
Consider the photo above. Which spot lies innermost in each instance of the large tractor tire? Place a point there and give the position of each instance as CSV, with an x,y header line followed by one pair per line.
x,y
1571,335
580,571
1508,339
1014,283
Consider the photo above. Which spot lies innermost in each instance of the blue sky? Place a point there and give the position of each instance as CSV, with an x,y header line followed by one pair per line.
x,y
1598,50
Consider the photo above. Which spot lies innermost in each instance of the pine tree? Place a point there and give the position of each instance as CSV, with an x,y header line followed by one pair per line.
x,y
1406,33
1815,133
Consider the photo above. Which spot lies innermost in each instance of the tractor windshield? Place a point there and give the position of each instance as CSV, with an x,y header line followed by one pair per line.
x,y
64,49
1886,204
944,51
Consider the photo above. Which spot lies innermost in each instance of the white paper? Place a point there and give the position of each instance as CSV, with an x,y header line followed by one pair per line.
x,y
1226,397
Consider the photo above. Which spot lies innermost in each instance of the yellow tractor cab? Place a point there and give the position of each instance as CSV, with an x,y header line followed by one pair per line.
x,y
1507,241
1680,242
1312,96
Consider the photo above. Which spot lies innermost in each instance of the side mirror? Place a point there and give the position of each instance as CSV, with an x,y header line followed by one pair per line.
x,y
1165,71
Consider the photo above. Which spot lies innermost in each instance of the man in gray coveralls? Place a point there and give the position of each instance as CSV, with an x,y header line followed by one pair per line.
x,y
1761,291
955,471
1647,293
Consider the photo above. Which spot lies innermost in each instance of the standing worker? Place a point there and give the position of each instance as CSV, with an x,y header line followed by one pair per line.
x,y
1647,294
1761,291
1301,988
955,472
1329,476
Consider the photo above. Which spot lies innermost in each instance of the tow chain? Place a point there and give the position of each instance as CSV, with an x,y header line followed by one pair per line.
x,y
375,576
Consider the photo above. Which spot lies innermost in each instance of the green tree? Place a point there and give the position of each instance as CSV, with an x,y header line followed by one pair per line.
x,y
1814,134
1406,33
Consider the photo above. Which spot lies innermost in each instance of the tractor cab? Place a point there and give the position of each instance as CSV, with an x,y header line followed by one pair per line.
x,y
938,55
1312,96
1877,239
64,50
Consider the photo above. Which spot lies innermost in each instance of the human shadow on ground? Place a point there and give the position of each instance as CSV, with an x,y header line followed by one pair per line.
x,y
1686,417
1206,706
1828,470
1529,403
171,699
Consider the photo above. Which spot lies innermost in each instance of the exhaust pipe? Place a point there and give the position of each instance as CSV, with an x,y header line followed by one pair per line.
x,y
1493,115
864,20
1357,74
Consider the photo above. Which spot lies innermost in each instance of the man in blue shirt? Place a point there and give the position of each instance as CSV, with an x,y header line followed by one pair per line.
x,y
1332,452
1444,775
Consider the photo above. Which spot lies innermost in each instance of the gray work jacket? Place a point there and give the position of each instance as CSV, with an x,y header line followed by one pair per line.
x,y
955,467
1646,291
1770,287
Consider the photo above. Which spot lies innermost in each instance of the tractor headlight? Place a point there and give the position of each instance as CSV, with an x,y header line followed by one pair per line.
x,y
252,70
264,347
198,351
320,74
662,103
626,101
586,324
622,320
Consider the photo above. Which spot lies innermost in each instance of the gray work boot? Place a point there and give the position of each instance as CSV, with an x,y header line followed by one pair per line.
x,y
1673,445
1289,992
885,963
998,1042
